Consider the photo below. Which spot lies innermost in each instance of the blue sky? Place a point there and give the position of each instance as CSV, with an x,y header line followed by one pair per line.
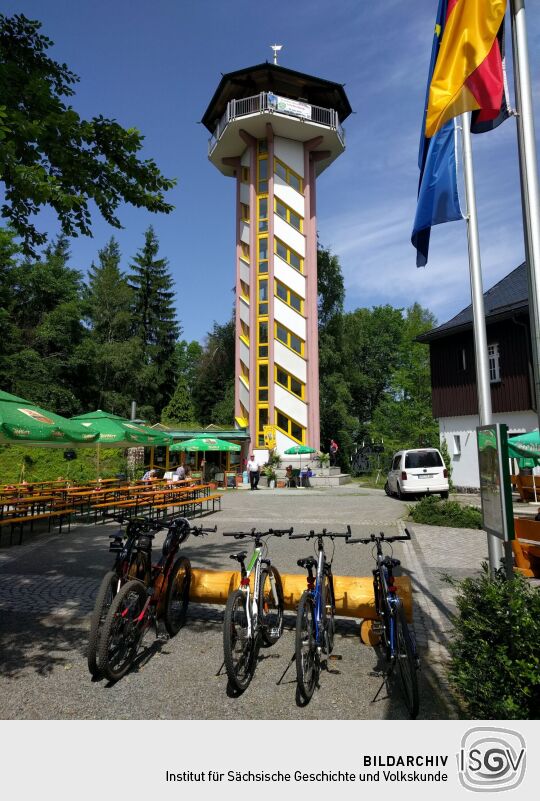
x,y
155,65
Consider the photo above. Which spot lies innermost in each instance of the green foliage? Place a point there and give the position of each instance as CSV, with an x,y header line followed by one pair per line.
x,y
213,385
47,464
49,156
180,408
154,324
495,647
447,461
434,512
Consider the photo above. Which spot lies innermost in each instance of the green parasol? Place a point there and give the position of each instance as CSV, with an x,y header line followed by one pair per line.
x,y
117,432
299,450
525,446
25,423
205,444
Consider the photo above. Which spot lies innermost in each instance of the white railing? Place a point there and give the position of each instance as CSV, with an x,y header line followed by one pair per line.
x,y
259,103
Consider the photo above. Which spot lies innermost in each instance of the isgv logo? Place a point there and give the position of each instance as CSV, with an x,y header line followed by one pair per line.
x,y
491,759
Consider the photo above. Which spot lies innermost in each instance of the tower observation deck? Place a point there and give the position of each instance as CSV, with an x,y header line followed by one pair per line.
x,y
275,130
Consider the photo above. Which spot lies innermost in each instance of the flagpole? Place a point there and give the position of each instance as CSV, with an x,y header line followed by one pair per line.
x,y
478,311
528,164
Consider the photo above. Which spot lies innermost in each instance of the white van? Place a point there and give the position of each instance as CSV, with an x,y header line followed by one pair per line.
x,y
417,471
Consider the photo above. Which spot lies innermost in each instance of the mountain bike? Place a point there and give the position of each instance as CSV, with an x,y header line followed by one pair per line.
x,y
315,616
158,592
398,642
254,612
126,566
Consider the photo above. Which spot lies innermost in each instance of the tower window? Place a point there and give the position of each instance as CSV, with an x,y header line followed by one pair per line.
x,y
287,214
289,176
289,255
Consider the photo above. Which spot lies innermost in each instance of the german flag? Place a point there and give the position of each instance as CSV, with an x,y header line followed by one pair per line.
x,y
468,74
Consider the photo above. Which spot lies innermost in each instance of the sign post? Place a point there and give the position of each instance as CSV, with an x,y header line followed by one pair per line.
x,y
495,489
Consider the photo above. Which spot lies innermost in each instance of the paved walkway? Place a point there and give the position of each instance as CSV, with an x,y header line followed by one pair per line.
x,y
48,584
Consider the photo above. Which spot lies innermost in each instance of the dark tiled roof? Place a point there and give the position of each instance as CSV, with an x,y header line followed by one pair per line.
x,y
509,294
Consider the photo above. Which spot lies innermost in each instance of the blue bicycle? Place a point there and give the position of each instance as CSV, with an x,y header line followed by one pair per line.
x,y
315,616
397,640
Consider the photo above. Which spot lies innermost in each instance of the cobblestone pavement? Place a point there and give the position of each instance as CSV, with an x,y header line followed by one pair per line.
x,y
47,588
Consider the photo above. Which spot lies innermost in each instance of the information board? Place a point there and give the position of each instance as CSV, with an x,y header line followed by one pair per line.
x,y
495,489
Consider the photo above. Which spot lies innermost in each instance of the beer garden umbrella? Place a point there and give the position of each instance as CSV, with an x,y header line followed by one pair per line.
x,y
299,450
205,444
24,423
117,432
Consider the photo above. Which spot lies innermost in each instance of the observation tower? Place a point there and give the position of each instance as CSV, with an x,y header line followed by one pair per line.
x,y
275,130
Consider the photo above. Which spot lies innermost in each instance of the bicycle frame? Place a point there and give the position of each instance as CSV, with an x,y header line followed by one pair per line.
x,y
316,594
386,598
252,598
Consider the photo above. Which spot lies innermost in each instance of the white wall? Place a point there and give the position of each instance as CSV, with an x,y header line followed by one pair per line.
x,y
465,464
289,276
283,442
243,393
244,271
290,361
291,153
290,318
244,353
293,238
290,405
246,158
244,231
243,308
244,193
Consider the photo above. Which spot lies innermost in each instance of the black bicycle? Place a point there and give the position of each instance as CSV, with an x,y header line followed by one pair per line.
x,y
127,565
315,617
398,642
253,614
158,592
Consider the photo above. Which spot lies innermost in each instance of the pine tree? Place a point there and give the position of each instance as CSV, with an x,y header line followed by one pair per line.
x,y
113,352
155,325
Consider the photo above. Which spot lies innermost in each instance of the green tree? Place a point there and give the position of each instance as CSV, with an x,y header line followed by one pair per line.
x,y
47,365
155,325
49,156
215,376
180,407
112,351
403,416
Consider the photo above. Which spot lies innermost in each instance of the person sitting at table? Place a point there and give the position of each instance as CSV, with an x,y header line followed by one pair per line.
x,y
149,475
289,476
180,472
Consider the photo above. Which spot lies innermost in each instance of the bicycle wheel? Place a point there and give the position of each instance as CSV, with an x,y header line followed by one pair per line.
x,y
328,607
177,596
121,631
406,659
271,612
104,598
307,660
239,649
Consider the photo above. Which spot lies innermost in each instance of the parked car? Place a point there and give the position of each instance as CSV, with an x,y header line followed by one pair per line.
x,y
417,471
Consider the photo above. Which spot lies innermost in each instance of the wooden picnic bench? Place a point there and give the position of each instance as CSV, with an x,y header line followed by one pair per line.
x,y
525,486
20,521
526,546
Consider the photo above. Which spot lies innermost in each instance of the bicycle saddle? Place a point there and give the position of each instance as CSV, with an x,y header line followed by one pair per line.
x,y
239,556
308,562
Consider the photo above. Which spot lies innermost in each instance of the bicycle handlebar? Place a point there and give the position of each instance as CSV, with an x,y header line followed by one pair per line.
x,y
324,533
198,530
239,535
380,538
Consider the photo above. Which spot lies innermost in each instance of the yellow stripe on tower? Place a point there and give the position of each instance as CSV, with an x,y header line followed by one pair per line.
x,y
468,37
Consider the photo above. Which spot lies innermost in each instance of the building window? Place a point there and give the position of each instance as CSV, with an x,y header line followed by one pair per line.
x,y
245,175
290,427
244,212
289,297
290,383
245,373
289,176
262,185
263,296
244,332
289,255
263,254
457,445
289,339
245,250
494,363
287,214
244,290
463,359
263,214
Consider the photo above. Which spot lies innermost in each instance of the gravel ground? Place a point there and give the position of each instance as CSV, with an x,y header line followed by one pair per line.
x,y
47,587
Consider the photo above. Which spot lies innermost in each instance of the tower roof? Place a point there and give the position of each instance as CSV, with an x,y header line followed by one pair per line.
x,y
280,80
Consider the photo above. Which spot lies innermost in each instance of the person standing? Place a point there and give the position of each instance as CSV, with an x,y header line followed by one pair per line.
x,y
253,472
334,448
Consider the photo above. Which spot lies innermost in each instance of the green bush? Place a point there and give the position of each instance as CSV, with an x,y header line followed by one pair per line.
x,y
495,647
47,464
434,512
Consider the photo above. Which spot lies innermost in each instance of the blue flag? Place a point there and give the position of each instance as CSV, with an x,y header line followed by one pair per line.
x,y
438,199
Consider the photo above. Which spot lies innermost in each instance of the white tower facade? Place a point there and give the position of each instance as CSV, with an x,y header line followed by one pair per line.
x,y
275,131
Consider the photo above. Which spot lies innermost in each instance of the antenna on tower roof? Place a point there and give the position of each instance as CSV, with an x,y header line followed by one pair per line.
x,y
276,48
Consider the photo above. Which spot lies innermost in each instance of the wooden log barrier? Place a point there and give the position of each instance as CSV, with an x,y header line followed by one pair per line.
x,y
354,594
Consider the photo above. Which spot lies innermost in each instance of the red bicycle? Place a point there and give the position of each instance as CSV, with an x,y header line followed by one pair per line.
x,y
159,592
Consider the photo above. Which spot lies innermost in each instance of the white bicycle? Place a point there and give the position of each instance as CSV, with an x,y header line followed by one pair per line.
x,y
254,612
